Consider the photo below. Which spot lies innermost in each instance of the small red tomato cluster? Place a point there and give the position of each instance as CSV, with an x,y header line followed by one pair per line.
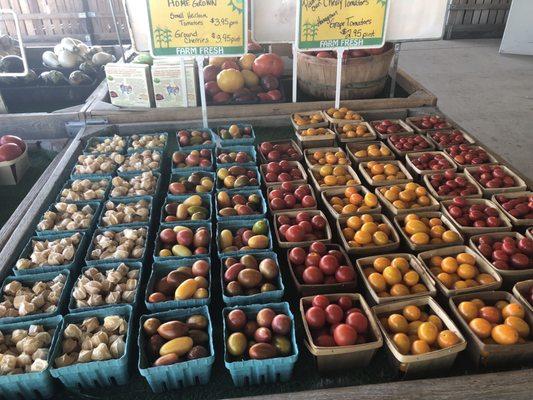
x,y
317,265
281,171
387,127
493,176
431,122
519,207
278,151
194,158
449,183
288,196
409,142
466,154
476,215
431,161
448,138
303,227
336,323
507,253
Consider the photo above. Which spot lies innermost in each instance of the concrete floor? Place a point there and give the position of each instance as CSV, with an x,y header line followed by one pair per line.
x,y
489,94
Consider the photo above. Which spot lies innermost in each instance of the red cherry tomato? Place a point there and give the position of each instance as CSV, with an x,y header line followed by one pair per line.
x,y
344,335
318,247
313,276
320,301
345,274
325,340
315,317
328,264
334,314
357,321
297,255
312,259
345,302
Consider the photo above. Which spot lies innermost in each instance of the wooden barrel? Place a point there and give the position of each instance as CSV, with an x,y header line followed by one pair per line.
x,y
362,77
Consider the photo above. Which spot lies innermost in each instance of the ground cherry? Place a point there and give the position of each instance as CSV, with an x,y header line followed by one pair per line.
x,y
402,342
411,313
447,338
504,334
397,323
420,347
481,327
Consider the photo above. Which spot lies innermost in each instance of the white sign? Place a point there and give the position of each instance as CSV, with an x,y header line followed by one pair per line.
x,y
274,21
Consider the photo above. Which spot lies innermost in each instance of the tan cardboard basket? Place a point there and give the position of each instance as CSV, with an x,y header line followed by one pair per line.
x,y
274,212
482,265
305,289
337,121
408,130
263,159
347,140
11,172
434,205
398,222
314,172
492,159
322,124
338,358
469,139
419,172
329,193
371,182
509,277
427,181
515,221
414,264
353,148
370,250
416,365
411,120
403,153
286,245
487,192
489,355
471,230
308,155
520,290
307,142
296,164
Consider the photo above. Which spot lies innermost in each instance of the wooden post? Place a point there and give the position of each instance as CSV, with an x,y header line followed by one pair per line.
x,y
88,21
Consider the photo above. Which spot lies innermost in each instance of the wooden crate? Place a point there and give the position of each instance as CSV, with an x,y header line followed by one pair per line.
x,y
48,21
100,107
476,18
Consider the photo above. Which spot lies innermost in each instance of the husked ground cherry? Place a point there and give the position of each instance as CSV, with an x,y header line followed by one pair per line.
x,y
481,327
402,342
411,313
397,323
447,338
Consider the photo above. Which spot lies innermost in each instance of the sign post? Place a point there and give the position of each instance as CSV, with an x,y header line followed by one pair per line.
x,y
340,25
197,28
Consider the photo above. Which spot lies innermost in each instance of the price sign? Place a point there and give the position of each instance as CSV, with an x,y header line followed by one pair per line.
x,y
341,24
197,27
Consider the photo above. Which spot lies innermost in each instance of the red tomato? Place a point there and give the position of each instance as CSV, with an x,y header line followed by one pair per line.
x,y
297,255
353,310
358,321
345,335
345,302
318,247
318,222
315,317
320,301
312,259
328,264
325,340
330,279
294,234
305,226
334,314
345,274
313,276
302,216
337,254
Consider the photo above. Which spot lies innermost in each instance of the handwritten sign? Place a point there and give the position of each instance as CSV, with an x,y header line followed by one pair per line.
x,y
197,27
336,24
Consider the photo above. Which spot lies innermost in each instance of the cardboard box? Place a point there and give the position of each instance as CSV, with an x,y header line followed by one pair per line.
x,y
11,172
169,86
129,85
